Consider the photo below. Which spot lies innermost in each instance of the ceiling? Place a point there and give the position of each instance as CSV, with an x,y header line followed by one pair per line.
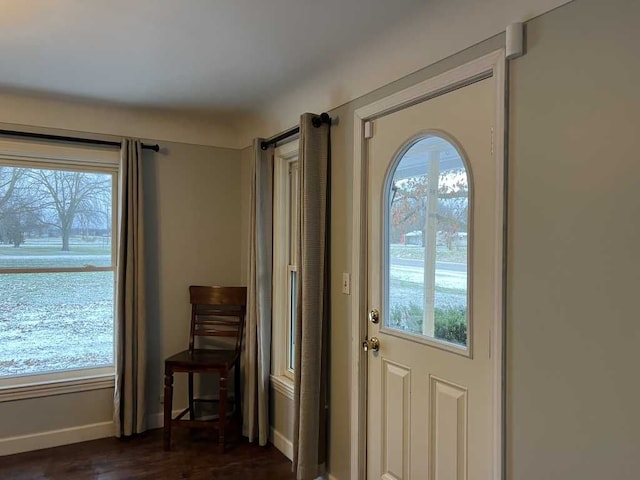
x,y
208,55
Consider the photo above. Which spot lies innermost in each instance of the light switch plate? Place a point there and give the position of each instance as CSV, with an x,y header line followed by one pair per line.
x,y
346,283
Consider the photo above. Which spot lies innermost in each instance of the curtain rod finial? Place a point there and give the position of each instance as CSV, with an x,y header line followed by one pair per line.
x,y
323,118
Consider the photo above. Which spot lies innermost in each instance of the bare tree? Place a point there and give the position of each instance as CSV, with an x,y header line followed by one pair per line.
x,y
410,198
16,212
18,218
9,178
72,195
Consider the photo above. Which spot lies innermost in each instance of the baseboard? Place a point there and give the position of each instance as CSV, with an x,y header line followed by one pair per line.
x,y
285,446
67,436
281,443
55,438
156,420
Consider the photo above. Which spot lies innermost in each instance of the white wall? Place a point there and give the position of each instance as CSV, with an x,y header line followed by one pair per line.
x,y
193,228
105,119
572,322
49,421
193,225
438,30
574,270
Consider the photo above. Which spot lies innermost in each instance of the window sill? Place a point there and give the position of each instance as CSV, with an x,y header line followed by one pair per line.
x,y
56,387
282,385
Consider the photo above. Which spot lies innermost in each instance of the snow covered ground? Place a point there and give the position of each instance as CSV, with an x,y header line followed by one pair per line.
x,y
407,287
54,321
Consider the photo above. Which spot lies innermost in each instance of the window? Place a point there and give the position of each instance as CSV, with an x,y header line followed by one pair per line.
x,y
57,263
427,243
285,271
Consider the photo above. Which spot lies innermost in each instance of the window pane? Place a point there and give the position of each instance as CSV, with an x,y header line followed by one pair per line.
x,y
427,244
293,302
294,200
55,321
46,253
55,218
294,232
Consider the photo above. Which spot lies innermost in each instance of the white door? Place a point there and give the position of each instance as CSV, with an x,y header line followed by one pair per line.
x,y
433,227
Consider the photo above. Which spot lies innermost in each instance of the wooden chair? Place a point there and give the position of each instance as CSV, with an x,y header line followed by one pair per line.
x,y
215,312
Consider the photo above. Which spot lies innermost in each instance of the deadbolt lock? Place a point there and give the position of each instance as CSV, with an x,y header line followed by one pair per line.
x,y
374,316
372,344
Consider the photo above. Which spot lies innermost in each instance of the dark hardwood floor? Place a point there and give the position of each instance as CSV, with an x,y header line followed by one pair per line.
x,y
191,457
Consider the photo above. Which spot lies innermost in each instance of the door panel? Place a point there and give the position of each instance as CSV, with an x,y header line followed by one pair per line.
x,y
397,391
429,394
448,417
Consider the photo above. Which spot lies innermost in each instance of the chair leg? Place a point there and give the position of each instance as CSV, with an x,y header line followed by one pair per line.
x,y
168,401
237,391
237,413
192,412
223,410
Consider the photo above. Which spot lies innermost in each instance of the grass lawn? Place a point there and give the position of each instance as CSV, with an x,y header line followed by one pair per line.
x,y
55,321
402,292
49,254
52,250
406,309
414,252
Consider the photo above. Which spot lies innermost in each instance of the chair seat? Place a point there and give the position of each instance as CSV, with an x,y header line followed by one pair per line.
x,y
203,358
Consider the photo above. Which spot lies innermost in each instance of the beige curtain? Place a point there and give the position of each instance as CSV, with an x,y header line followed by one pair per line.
x,y
256,358
310,387
129,398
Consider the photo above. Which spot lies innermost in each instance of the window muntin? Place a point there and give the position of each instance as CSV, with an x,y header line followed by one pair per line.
x,y
57,269
427,243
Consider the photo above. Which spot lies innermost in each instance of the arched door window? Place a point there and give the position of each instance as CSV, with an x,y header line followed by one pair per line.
x,y
428,226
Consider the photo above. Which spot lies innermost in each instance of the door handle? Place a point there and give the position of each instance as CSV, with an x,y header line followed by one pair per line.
x,y
372,344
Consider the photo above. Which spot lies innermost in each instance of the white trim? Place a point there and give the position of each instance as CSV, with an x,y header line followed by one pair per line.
x,y
56,387
432,341
29,153
498,345
284,156
282,385
44,154
56,438
492,64
288,150
466,350
281,443
358,371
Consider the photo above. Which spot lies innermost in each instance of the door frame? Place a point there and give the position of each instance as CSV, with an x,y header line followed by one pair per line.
x,y
490,65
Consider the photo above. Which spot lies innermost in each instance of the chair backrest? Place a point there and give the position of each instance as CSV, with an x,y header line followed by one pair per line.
x,y
217,312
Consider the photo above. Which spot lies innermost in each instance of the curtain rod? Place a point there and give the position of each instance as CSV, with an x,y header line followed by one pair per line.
x,y
317,121
60,138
